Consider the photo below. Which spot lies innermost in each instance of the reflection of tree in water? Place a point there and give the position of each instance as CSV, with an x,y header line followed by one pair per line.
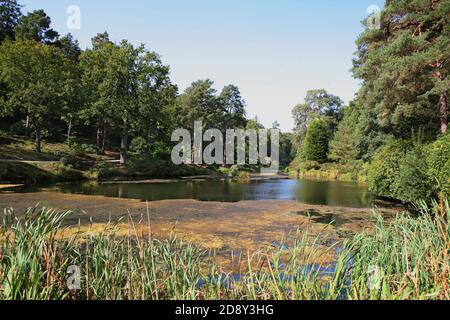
x,y
312,192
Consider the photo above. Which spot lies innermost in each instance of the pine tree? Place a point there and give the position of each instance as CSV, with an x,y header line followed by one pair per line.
x,y
405,67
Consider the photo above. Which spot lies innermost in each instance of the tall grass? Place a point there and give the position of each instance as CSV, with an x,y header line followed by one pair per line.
x,y
407,258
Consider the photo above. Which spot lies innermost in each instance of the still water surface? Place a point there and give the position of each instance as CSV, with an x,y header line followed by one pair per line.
x,y
333,193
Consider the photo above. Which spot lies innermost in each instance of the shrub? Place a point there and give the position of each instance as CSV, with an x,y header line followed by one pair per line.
x,y
67,173
412,180
399,171
306,166
438,161
69,161
139,145
81,149
104,170
384,168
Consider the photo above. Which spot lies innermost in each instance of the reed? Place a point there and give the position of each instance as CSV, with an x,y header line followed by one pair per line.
x,y
407,258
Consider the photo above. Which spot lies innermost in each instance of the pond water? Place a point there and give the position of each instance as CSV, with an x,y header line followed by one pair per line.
x,y
332,193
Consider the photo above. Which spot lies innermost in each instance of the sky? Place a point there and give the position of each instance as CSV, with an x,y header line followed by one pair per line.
x,y
273,50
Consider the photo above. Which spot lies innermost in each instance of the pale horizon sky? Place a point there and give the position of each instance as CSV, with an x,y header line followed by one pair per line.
x,y
274,51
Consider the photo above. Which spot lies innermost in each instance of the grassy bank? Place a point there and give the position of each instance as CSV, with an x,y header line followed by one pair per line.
x,y
60,163
405,259
354,171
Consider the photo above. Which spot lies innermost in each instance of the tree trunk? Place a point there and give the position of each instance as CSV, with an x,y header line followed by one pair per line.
x,y
38,141
103,141
69,131
27,126
124,146
443,112
98,137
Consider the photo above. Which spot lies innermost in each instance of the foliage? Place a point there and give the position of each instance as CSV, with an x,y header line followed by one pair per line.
x,y
343,147
35,26
139,146
318,103
315,147
124,80
405,67
9,18
35,76
399,171
306,166
438,159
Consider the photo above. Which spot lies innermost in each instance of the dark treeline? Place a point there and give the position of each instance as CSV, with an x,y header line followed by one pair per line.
x,y
111,95
394,133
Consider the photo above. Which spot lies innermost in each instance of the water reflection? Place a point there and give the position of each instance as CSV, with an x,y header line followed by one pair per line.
x,y
306,191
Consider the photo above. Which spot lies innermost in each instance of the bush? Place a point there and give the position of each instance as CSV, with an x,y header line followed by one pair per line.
x,y
139,146
438,161
161,151
315,147
81,149
104,170
68,174
399,171
413,182
306,166
69,161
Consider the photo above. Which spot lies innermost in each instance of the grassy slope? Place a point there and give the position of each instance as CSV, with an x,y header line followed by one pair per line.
x,y
45,167
19,148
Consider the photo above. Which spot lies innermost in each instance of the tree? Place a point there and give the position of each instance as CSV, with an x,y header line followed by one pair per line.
x,y
343,147
73,90
35,76
35,26
94,63
318,103
125,81
73,102
9,18
254,124
234,107
200,102
405,67
315,147
70,47
286,151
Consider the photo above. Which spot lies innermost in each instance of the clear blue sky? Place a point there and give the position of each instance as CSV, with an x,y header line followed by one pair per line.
x,y
273,50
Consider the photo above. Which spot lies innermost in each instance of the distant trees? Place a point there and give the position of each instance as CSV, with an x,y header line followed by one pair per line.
x,y
318,103
234,107
321,111
9,18
35,76
121,92
201,102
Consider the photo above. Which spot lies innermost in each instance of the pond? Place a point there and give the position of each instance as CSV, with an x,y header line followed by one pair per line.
x,y
331,193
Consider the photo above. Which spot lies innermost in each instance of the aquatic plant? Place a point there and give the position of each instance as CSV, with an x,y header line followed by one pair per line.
x,y
407,258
